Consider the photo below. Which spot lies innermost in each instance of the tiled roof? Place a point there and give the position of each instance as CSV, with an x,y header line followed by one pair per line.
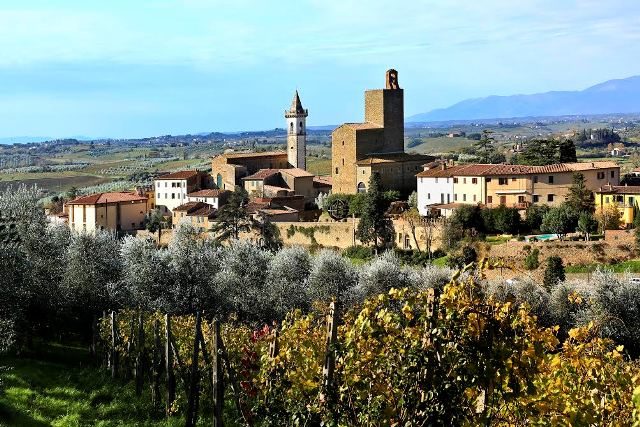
x,y
273,211
178,175
206,193
262,174
393,158
322,181
361,126
476,169
619,189
254,155
102,198
197,209
296,172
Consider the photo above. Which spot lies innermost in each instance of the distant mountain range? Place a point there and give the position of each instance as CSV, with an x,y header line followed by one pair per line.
x,y
613,96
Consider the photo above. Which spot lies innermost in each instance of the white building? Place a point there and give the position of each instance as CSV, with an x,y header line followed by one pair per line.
x,y
435,187
172,189
213,197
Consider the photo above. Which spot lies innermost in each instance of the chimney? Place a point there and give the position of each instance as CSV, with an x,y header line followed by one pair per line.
x,y
443,166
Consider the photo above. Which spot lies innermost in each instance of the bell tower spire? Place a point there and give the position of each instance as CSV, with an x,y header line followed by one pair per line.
x,y
297,133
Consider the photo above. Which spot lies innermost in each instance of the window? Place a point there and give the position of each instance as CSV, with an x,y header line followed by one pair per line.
x,y
600,175
159,195
407,242
630,200
399,237
436,180
165,184
502,181
158,185
464,180
549,197
455,197
536,198
173,195
535,179
166,195
442,198
487,179
362,188
291,129
606,199
503,200
474,180
362,171
343,143
550,179
520,199
474,197
513,178
343,163
464,197
428,196
455,180
336,171
489,199
613,174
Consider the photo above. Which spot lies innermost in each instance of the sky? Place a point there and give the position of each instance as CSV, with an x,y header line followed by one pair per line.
x,y
123,68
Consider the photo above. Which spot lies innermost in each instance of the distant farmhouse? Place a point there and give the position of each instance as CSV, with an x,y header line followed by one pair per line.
x,y
375,145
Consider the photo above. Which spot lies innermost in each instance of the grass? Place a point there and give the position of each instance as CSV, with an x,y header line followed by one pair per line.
x,y
59,387
318,166
497,240
632,266
441,262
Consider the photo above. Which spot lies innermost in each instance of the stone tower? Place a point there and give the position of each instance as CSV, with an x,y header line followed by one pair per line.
x,y
297,133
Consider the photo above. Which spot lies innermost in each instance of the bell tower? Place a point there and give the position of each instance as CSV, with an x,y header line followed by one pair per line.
x,y
297,133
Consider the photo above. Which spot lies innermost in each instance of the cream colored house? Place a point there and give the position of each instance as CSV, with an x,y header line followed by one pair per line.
x,y
117,211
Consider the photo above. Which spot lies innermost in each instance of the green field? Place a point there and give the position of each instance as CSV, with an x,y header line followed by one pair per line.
x,y
318,166
59,387
631,266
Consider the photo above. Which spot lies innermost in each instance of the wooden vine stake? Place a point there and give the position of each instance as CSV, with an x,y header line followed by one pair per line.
x,y
168,360
157,364
218,373
330,357
140,354
192,406
114,342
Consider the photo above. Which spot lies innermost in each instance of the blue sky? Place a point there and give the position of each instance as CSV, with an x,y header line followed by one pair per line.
x,y
123,68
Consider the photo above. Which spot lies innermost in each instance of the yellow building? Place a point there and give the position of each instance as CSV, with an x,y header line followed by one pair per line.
x,y
626,198
198,214
376,145
228,169
118,211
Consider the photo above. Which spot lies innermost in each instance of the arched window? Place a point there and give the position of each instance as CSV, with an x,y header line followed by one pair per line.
x,y
291,127
362,188
219,181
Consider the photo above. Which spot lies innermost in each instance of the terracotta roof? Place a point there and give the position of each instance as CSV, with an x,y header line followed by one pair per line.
x,y
178,175
262,174
448,206
393,158
197,209
619,189
207,193
250,155
253,207
476,169
322,181
365,125
296,172
102,198
273,211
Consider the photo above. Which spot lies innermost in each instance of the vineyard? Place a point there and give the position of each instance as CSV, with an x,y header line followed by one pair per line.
x,y
241,335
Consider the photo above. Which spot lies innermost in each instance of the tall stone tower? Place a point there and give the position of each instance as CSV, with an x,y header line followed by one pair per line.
x,y
297,133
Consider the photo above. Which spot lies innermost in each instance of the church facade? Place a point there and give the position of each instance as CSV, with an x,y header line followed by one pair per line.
x,y
375,145
228,169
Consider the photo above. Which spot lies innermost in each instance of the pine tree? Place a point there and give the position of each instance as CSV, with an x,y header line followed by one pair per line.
x,y
485,146
567,152
580,197
374,227
233,218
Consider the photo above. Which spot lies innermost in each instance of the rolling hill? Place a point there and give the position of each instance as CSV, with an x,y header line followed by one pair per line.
x,y
613,96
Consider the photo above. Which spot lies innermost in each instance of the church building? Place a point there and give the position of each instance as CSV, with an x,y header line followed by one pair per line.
x,y
228,169
375,145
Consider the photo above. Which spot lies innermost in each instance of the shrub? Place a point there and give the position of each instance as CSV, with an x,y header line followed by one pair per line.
x,y
531,262
554,273
358,252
